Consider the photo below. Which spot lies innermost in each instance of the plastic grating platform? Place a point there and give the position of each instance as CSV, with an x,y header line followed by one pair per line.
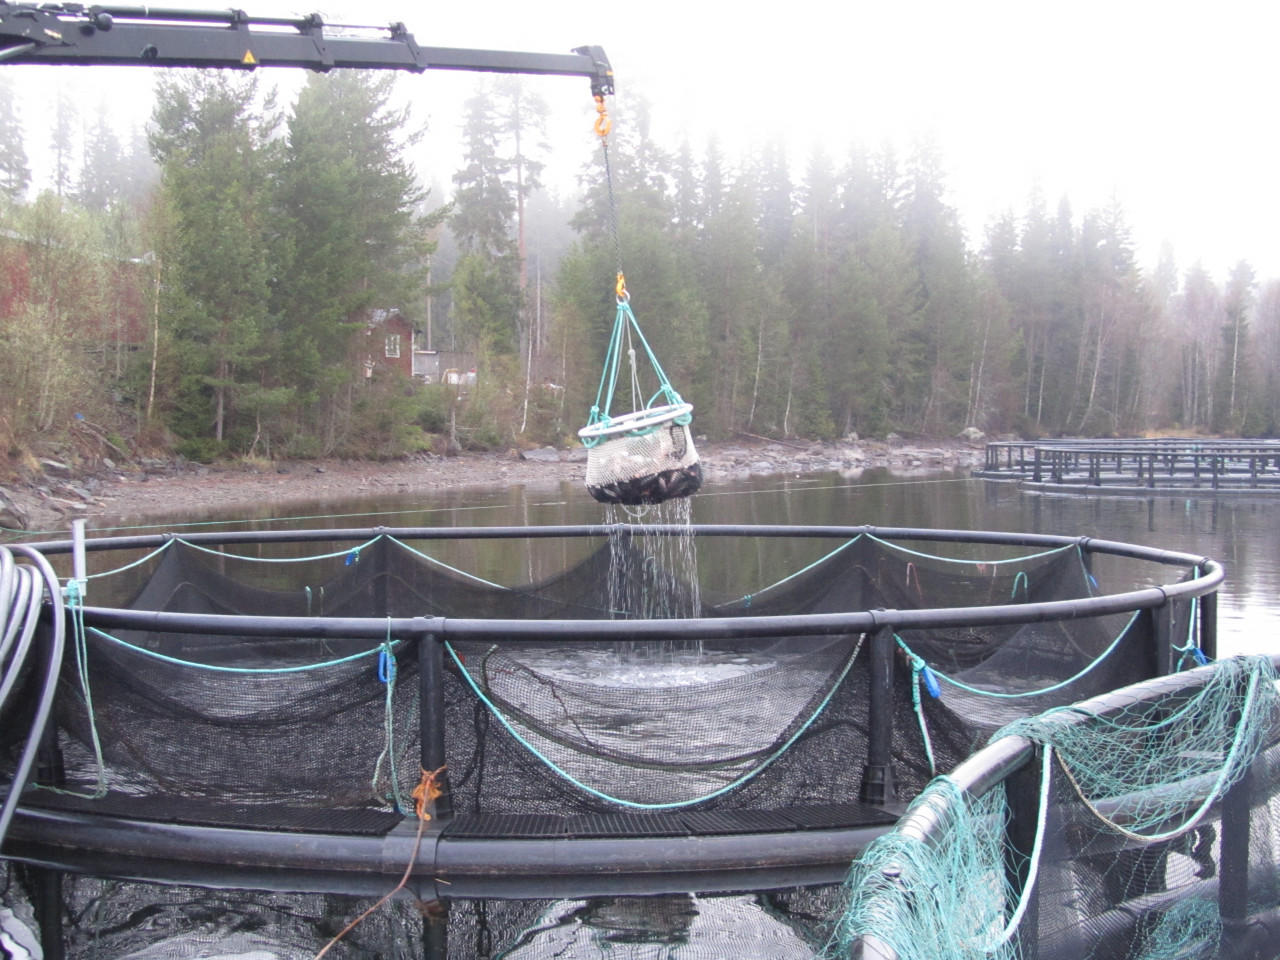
x,y
506,826
498,826
198,812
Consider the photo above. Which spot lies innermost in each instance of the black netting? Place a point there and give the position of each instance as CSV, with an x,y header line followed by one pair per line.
x,y
752,723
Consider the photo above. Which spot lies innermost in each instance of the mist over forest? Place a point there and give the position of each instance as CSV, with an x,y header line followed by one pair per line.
x,y
247,278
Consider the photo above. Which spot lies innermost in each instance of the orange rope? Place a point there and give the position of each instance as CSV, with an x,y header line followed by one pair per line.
x,y
427,790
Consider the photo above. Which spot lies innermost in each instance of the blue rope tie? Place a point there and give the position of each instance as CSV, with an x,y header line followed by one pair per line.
x,y
920,673
387,676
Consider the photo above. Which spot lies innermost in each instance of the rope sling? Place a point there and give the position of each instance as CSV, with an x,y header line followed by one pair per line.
x,y
645,456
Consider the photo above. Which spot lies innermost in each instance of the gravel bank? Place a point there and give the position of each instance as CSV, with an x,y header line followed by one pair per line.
x,y
150,487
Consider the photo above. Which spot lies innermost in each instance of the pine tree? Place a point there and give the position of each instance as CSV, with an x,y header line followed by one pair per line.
x,y
483,220
15,174
62,142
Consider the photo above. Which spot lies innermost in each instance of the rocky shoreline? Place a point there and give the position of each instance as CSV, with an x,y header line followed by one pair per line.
x,y
59,494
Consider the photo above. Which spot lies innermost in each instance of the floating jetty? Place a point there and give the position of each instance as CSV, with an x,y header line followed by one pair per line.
x,y
1137,467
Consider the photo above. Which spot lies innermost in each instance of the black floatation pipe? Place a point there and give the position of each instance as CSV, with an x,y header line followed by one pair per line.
x,y
54,666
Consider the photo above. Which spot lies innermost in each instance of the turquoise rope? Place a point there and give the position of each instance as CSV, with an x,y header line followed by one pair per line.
x,y
675,804
1026,586
1230,768
931,556
918,667
613,357
387,662
238,670
1191,648
320,556
75,601
1029,693
1037,850
129,566
442,564
747,598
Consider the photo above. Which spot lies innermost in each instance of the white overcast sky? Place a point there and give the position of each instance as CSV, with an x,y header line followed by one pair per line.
x,y
1169,106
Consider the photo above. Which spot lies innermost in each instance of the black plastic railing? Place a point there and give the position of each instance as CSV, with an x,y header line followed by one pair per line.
x,y
431,633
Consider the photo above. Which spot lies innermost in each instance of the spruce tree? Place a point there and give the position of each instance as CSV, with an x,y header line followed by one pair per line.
x,y
15,173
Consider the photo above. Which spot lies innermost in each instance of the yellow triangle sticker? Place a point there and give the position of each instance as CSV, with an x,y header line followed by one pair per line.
x,y
249,60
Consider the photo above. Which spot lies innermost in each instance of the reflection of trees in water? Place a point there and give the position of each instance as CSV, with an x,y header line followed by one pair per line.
x,y
673,927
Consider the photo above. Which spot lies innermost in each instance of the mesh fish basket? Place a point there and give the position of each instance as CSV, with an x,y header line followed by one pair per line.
x,y
646,456
647,465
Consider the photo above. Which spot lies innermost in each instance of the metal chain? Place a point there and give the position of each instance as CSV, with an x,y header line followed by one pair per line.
x,y
613,205
603,126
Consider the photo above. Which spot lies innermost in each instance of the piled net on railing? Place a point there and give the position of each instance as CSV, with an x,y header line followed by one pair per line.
x,y
545,726
1128,860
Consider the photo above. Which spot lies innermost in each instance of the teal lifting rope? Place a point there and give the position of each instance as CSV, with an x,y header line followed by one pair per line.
x,y
645,456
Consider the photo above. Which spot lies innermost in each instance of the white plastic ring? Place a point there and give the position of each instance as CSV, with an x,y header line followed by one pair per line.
x,y
640,420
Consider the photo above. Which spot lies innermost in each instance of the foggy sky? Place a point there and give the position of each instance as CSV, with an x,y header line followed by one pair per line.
x,y
1167,106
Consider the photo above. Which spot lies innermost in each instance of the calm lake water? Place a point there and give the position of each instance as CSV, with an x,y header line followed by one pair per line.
x,y
1243,535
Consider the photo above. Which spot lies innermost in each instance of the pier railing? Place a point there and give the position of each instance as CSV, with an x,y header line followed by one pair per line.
x,y
1138,464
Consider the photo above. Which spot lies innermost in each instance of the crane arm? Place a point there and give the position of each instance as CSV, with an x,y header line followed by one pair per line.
x,y
73,33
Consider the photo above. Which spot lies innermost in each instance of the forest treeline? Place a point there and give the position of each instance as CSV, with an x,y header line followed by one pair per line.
x,y
209,287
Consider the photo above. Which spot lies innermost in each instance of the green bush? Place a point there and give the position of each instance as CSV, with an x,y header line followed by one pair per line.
x,y
201,449
433,407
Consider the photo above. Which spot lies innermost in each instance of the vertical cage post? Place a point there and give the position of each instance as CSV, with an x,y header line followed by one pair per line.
x,y
435,930
878,786
48,910
1022,790
1209,625
1162,628
1233,885
431,712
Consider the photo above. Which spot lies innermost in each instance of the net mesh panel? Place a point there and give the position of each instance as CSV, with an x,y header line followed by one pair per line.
x,y
651,467
1144,800
115,919
653,724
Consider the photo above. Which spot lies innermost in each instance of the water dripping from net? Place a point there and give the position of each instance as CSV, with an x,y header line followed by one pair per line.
x,y
654,577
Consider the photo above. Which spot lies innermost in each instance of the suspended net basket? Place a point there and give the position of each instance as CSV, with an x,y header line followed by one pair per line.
x,y
645,456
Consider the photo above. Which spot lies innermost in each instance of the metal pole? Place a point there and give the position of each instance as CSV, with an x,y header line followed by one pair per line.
x,y
431,714
78,566
878,786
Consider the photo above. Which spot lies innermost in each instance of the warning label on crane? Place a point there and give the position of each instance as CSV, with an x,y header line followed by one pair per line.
x,y
249,60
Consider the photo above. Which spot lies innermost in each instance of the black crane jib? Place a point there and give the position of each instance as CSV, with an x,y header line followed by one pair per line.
x,y
73,33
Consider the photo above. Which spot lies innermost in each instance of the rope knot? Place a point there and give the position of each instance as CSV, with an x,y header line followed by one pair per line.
x,y
427,791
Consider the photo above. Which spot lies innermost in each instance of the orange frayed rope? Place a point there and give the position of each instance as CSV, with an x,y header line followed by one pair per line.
x,y
424,794
427,791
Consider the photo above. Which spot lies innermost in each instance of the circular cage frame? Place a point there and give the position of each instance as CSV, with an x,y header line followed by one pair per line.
x,y
114,844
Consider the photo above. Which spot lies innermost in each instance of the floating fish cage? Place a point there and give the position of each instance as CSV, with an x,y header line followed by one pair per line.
x,y
258,709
